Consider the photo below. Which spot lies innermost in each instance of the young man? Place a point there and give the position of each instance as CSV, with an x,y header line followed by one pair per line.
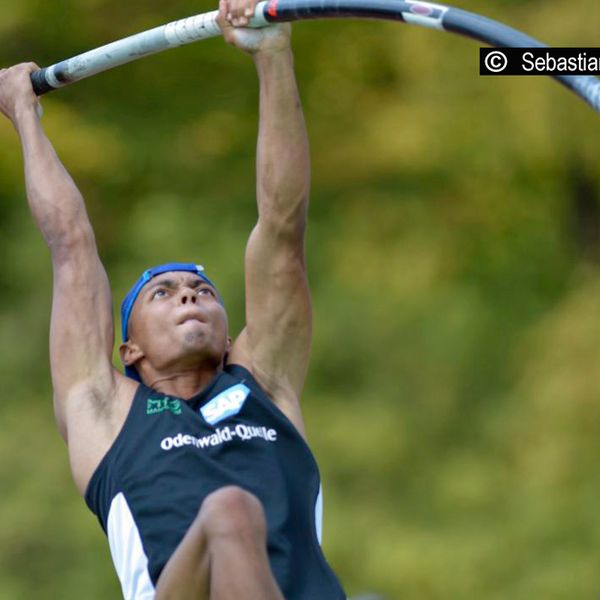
x,y
194,461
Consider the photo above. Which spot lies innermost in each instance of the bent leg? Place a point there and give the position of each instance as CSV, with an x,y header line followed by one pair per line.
x,y
186,575
223,555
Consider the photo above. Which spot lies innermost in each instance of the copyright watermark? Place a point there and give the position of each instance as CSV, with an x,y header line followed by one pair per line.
x,y
539,61
495,61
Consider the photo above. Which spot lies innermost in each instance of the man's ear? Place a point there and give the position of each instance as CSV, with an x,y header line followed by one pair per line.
x,y
130,353
228,346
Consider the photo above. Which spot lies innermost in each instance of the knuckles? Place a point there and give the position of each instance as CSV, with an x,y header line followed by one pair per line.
x,y
237,13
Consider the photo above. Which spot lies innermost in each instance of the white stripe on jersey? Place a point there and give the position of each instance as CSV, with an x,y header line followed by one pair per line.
x,y
319,514
129,558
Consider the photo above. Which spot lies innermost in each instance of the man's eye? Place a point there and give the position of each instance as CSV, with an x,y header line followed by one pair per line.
x,y
159,293
206,290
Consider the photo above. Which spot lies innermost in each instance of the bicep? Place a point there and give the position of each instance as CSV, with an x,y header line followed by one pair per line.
x,y
278,311
81,329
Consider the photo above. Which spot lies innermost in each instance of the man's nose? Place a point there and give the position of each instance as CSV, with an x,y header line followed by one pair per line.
x,y
188,296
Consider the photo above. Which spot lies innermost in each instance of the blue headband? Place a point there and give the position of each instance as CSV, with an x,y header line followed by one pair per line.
x,y
134,292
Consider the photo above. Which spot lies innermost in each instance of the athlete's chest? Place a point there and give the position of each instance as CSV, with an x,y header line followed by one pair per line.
x,y
231,418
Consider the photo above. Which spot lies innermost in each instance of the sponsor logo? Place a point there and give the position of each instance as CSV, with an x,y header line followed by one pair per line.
x,y
226,404
156,406
222,435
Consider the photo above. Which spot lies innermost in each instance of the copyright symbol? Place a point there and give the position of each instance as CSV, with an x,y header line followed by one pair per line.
x,y
496,61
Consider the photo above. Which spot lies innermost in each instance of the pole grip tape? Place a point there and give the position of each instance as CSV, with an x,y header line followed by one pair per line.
x,y
39,83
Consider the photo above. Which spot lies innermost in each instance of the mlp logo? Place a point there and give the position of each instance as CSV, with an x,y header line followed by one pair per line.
x,y
155,406
226,404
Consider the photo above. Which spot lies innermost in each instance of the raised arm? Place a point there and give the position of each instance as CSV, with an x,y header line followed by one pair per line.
x,y
276,341
81,335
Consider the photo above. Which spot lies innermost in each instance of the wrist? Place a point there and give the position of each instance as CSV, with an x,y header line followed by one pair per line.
x,y
269,58
24,111
25,119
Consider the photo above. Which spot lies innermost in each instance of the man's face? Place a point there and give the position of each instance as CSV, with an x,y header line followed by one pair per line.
x,y
178,322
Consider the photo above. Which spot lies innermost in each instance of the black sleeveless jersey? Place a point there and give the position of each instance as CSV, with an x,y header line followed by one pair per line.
x,y
172,453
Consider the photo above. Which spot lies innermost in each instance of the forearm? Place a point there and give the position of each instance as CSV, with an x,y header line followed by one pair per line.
x,y
55,202
283,161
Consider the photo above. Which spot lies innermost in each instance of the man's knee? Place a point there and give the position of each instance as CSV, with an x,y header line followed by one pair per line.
x,y
231,512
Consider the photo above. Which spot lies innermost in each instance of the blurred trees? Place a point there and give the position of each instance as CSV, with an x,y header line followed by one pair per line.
x,y
454,397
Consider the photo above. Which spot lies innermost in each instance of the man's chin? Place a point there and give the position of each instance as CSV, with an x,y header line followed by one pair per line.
x,y
194,335
191,341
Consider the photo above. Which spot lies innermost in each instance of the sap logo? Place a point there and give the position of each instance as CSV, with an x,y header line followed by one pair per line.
x,y
226,404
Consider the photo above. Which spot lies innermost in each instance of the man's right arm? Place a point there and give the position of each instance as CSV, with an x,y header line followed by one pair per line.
x,y
81,331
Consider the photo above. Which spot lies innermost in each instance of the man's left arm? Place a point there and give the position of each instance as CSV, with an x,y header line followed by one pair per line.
x,y
275,344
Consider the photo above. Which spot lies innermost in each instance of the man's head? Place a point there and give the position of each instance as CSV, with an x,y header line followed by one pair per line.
x,y
172,319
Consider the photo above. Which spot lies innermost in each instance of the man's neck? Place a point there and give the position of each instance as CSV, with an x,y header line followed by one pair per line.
x,y
184,384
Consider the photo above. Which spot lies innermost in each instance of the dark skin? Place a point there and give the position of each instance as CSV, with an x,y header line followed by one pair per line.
x,y
179,333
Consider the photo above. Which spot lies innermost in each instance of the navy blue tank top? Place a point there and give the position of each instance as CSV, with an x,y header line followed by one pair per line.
x,y
171,453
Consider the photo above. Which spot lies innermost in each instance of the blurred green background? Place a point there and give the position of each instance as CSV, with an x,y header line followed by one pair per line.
x,y
454,250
